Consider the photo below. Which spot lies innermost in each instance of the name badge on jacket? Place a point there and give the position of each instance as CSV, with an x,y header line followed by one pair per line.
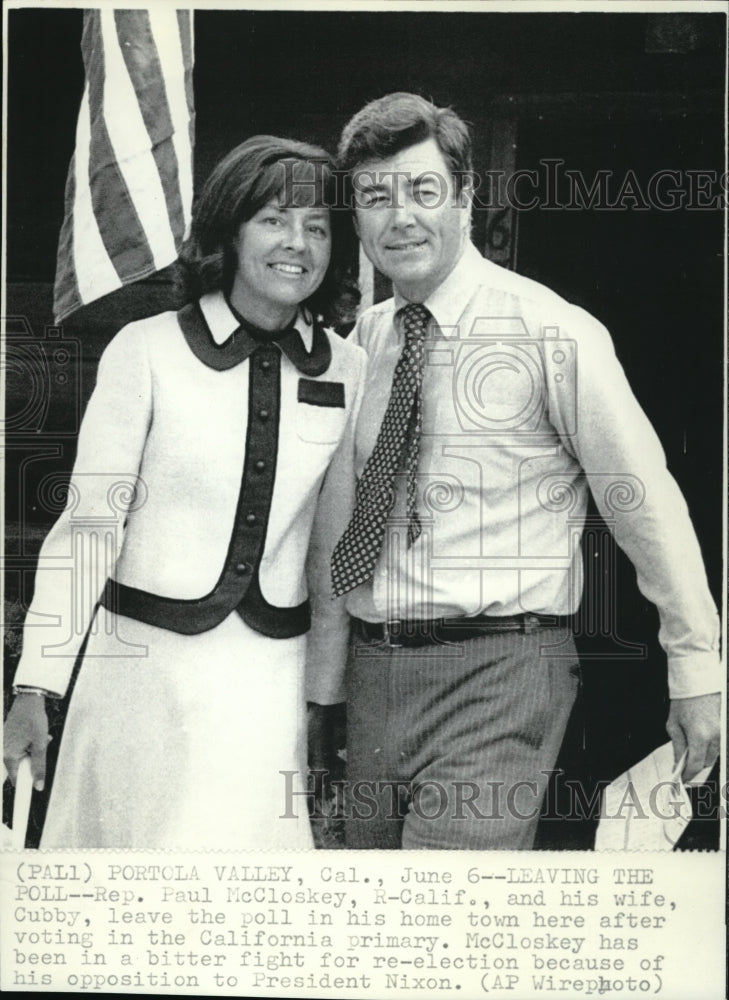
x,y
321,393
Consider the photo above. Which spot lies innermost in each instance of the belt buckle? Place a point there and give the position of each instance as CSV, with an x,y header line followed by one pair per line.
x,y
391,640
531,624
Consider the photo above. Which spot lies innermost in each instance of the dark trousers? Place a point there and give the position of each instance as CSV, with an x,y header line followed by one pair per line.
x,y
451,746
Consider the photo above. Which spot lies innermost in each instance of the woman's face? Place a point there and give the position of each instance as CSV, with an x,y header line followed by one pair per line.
x,y
283,254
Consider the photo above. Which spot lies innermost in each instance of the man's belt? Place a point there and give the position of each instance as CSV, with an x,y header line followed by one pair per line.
x,y
435,631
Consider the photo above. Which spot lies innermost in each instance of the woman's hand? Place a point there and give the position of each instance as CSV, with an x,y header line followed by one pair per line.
x,y
26,732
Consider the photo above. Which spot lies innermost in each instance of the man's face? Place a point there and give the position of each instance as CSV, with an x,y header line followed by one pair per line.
x,y
412,225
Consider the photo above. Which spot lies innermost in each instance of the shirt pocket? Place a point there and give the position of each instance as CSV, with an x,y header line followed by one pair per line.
x,y
320,411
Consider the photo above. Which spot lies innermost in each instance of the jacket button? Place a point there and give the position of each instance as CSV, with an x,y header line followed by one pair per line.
x,y
242,569
260,465
263,414
251,518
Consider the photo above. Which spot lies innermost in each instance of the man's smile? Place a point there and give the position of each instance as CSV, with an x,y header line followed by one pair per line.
x,y
404,247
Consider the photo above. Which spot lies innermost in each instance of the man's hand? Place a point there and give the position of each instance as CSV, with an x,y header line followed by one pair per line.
x,y
325,726
322,722
26,732
695,723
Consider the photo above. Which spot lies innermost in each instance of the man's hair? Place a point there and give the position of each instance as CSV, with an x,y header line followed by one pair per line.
x,y
260,169
395,122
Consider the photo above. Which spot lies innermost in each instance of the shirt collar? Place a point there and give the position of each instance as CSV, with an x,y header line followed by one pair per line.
x,y
222,339
450,299
222,319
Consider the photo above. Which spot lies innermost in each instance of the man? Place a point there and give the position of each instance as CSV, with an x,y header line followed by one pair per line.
x,y
491,407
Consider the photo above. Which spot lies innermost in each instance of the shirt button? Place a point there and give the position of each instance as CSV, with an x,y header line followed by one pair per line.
x,y
263,414
251,518
260,465
242,569
265,364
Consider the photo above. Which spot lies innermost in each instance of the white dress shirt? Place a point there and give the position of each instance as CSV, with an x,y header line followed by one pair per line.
x,y
525,407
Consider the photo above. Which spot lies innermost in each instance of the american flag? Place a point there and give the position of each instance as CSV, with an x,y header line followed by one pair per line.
x,y
129,187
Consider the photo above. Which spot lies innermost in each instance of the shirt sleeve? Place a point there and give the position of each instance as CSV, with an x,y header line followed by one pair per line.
x,y
80,551
602,424
328,639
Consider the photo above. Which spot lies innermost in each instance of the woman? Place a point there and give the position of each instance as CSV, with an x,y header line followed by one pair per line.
x,y
199,462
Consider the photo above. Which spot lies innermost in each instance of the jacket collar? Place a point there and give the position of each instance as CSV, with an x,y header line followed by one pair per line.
x,y
222,339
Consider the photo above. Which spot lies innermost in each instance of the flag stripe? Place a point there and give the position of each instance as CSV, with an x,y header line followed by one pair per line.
x,y
130,142
118,222
141,56
186,41
129,189
66,296
93,266
184,25
176,70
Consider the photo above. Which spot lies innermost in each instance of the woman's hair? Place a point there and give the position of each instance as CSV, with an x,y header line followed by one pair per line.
x,y
397,121
260,169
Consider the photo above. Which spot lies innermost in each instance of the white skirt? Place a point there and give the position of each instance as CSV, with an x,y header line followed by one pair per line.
x,y
183,742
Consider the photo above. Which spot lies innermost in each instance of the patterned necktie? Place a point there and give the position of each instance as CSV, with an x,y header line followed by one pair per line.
x,y
397,446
